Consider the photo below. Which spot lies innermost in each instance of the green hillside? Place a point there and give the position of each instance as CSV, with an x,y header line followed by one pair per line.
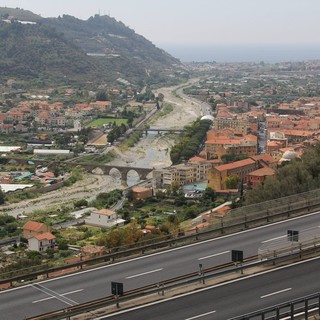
x,y
69,50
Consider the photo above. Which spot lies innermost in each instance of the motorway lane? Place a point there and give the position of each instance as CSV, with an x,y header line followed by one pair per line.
x,y
95,283
234,298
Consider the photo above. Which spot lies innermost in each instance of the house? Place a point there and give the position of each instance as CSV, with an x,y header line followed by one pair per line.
x,y
257,177
104,218
33,228
142,193
42,242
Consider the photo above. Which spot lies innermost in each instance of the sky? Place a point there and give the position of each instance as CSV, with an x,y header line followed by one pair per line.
x,y
172,23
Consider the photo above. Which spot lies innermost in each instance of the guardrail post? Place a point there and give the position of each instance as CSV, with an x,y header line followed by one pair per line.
x,y
278,313
319,304
263,316
300,250
160,289
117,301
222,232
201,273
292,311
245,221
306,309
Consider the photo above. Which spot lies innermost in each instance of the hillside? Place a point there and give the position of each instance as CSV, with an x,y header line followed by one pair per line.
x,y
70,50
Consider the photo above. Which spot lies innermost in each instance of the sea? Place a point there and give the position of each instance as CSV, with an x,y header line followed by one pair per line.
x,y
243,52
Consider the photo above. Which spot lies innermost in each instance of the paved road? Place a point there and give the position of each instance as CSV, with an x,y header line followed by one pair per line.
x,y
93,284
235,298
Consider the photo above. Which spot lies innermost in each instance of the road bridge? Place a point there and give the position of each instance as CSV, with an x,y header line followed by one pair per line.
x,y
158,130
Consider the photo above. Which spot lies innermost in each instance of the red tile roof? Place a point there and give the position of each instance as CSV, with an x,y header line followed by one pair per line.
x,y
236,164
45,236
263,172
33,226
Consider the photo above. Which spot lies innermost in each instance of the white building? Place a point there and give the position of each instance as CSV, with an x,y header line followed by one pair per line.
x,y
42,242
104,218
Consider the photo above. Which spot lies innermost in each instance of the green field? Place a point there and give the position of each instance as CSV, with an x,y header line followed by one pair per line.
x,y
102,121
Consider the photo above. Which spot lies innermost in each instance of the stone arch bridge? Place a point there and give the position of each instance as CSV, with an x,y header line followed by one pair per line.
x,y
106,169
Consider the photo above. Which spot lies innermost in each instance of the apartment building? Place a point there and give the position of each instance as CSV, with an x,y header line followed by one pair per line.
x,y
218,175
180,174
224,142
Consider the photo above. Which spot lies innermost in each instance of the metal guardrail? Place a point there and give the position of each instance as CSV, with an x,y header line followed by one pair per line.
x,y
160,288
301,308
226,226
306,239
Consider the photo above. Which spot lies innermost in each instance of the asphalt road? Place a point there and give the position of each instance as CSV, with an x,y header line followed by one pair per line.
x,y
235,298
92,284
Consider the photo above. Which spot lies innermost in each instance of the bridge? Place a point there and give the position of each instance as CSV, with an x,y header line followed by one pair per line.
x,y
106,169
158,130
95,168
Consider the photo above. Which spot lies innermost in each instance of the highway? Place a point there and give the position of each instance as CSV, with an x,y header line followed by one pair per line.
x,y
234,298
92,284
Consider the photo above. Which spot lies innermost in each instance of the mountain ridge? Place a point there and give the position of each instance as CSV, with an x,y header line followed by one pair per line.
x,y
70,50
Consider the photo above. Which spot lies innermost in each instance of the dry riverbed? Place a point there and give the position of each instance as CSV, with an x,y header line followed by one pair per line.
x,y
152,151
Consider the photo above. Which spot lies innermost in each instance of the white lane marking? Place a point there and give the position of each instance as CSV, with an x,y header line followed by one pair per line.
x,y
63,294
53,294
274,293
71,292
274,239
165,252
144,273
36,301
201,315
214,255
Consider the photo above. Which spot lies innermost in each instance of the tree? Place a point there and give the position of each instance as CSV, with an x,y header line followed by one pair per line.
x,y
101,96
208,194
232,182
2,197
81,203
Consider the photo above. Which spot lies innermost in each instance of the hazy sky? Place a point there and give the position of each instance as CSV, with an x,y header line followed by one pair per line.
x,y
199,21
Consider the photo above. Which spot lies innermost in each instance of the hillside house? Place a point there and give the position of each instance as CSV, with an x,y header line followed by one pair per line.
x,y
104,218
33,228
42,242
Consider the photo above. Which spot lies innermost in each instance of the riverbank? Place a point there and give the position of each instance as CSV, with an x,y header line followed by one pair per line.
x,y
153,150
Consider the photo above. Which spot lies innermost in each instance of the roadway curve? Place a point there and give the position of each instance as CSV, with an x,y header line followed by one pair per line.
x,y
92,284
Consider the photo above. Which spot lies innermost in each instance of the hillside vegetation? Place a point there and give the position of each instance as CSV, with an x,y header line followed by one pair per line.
x,y
70,50
297,176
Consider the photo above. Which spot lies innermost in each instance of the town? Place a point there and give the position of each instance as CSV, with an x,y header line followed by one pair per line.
x,y
172,178
246,138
